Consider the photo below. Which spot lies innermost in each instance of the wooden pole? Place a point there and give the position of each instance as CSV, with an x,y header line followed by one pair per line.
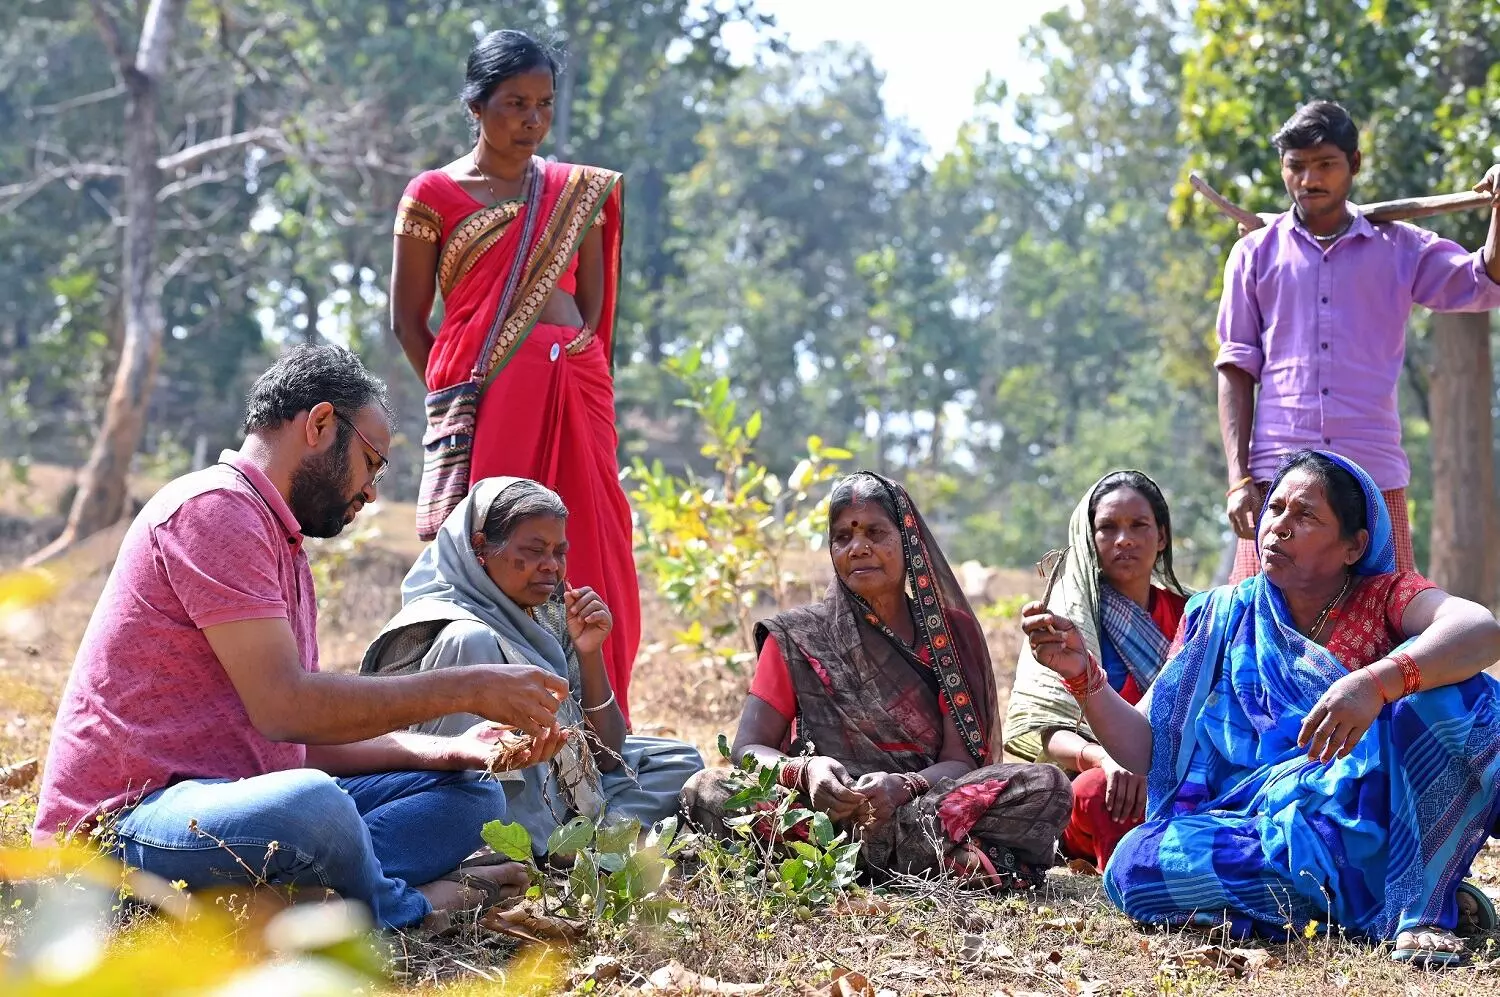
x,y
1380,211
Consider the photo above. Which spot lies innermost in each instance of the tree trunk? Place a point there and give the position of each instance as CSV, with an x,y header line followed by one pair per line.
x,y
1463,461
562,115
102,487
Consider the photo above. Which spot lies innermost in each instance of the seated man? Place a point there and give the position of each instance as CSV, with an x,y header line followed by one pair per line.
x,y
196,727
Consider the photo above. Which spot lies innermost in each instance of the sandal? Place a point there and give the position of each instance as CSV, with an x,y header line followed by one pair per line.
x,y
981,867
1429,958
494,893
1478,917
1418,958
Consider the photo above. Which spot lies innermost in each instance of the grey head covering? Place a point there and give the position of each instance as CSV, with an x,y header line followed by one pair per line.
x,y
447,584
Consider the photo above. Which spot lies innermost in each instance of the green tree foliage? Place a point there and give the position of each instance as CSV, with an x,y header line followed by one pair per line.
x,y
1061,240
998,324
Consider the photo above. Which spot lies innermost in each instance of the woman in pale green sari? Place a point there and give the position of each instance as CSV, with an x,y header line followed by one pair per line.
x,y
1117,585
492,587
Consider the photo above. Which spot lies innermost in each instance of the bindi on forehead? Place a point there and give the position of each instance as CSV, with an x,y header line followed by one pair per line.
x,y
853,523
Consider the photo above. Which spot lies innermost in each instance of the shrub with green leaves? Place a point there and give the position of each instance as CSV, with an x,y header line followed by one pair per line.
x,y
617,873
718,546
807,873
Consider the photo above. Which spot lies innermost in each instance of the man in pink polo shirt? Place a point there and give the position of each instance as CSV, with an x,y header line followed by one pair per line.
x,y
1314,312
196,727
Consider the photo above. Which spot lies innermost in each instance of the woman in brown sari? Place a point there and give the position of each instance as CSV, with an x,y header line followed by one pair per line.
x,y
878,704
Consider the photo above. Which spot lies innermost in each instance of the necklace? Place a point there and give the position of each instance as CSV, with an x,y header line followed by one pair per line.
x,y
1323,617
495,198
1324,240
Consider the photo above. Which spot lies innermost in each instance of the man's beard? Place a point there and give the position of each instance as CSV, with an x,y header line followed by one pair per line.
x,y
318,488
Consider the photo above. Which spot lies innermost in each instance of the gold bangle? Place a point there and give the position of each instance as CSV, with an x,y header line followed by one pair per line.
x,y
1240,484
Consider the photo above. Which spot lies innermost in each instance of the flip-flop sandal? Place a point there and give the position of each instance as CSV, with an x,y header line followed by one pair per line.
x,y
1418,958
1483,919
1015,876
494,893
486,860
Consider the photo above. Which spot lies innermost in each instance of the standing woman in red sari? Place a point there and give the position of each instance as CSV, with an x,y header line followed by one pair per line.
x,y
526,256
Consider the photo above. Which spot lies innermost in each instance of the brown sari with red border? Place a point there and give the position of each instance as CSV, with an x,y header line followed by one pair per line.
x,y
877,704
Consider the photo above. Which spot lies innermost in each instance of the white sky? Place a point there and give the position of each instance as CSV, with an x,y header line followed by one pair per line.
x,y
934,53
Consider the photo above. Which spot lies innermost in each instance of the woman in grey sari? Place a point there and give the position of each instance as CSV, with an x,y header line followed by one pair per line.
x,y
492,587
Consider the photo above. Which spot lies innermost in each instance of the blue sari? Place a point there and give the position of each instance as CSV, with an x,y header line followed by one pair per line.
x,y
1241,825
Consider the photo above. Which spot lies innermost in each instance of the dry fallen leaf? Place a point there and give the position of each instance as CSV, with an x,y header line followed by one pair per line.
x,y
528,924
862,906
1082,867
19,775
847,983
600,969
1066,923
975,948
675,978
1232,962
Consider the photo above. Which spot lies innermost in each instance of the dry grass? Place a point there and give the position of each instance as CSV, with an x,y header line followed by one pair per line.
x,y
933,939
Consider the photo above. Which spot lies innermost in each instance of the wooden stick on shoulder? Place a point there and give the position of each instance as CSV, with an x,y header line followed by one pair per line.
x,y
1249,219
1424,207
1380,211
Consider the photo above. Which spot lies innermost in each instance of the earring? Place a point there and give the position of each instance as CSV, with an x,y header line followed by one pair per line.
x,y
481,560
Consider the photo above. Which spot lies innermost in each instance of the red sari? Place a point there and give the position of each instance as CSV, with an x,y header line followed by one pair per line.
x,y
548,408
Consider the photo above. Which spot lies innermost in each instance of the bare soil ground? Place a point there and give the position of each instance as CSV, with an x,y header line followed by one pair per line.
x,y
933,939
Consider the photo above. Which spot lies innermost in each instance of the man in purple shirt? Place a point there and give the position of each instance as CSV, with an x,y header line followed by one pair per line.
x,y
1314,312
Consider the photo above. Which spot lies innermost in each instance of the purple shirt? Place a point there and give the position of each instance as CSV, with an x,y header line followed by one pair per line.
x,y
1324,333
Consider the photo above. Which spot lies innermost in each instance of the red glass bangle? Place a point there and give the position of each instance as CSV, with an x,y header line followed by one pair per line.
x,y
1091,681
790,776
917,785
1411,675
1379,685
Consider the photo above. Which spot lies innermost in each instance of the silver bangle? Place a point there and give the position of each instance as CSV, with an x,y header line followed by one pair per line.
x,y
608,702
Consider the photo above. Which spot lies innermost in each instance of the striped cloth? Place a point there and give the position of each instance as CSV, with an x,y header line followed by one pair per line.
x,y
1247,552
1241,824
1132,635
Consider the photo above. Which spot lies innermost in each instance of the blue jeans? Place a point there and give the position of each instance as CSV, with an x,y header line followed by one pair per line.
x,y
371,838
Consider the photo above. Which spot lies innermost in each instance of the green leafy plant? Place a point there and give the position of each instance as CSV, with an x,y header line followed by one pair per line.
x,y
617,873
716,546
1006,611
808,865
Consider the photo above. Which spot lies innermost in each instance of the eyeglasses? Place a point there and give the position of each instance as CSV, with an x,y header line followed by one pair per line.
x,y
385,462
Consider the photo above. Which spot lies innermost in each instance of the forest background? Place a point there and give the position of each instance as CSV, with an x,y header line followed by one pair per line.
x,y
187,185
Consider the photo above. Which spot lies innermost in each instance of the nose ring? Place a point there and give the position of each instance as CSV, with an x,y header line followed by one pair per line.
x,y
1282,536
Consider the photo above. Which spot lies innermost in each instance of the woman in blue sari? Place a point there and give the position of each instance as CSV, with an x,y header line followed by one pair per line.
x,y
1321,745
